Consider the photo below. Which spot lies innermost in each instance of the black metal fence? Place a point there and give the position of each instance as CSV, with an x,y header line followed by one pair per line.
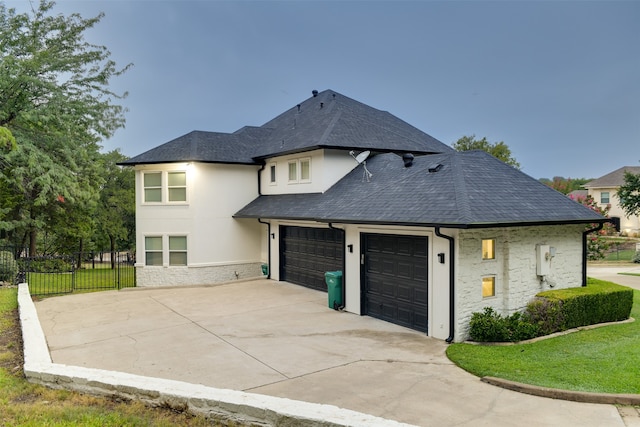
x,y
60,274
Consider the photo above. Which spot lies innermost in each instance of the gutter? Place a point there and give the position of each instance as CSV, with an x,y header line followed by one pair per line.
x,y
584,251
344,266
452,287
268,246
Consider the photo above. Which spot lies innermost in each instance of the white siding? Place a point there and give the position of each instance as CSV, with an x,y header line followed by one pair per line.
x,y
218,246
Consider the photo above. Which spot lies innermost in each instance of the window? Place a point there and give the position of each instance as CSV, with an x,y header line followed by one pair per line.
x,y
293,171
305,170
488,287
604,197
488,249
272,170
153,250
177,250
152,187
177,185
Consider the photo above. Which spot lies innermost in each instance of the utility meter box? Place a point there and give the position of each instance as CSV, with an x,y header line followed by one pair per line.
x,y
543,260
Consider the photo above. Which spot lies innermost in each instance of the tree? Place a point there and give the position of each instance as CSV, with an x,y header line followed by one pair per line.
x,y
499,150
56,102
596,244
629,194
565,185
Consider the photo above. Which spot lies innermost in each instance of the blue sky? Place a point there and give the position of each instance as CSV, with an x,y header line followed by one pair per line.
x,y
557,81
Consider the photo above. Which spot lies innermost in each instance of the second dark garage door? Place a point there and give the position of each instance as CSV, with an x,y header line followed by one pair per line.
x,y
307,253
394,279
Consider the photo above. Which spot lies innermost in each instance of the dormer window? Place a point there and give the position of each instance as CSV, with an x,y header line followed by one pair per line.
x,y
272,173
300,170
293,171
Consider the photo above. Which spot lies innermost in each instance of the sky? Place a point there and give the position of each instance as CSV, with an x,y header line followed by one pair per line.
x,y
557,81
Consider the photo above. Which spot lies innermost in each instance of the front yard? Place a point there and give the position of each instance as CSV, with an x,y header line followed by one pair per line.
x,y
605,359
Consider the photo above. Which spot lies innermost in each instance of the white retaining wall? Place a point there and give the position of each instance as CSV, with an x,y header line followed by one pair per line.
x,y
198,399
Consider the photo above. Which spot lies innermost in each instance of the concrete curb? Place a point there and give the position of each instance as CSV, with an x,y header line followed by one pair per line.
x,y
576,396
198,399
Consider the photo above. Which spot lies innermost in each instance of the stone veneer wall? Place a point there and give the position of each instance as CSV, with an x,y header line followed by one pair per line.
x,y
514,268
196,275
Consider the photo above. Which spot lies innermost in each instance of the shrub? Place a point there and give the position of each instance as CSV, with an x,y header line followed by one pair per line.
x,y
8,267
636,257
598,302
546,314
490,326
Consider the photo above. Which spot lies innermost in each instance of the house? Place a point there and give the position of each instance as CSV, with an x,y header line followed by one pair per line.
x,y
604,189
423,235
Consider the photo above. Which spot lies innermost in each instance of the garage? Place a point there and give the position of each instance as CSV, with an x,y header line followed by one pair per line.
x,y
394,279
306,253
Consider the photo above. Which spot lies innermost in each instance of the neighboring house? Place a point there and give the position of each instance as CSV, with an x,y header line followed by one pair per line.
x,y
604,189
424,235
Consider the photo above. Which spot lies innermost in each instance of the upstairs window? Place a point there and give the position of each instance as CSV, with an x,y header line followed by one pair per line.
x,y
293,171
488,286
305,170
604,198
177,185
152,187
488,249
272,171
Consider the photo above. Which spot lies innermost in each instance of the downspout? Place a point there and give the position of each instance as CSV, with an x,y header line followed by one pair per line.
x,y
452,287
268,246
344,266
260,180
584,251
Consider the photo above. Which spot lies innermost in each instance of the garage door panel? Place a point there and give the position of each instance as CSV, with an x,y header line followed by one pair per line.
x,y
307,253
396,279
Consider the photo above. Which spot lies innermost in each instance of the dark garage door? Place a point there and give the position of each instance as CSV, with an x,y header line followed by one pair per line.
x,y
394,279
307,253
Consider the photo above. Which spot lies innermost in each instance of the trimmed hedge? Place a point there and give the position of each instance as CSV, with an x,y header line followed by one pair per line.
x,y
554,311
598,302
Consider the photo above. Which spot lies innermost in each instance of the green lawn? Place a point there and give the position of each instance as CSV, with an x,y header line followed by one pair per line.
x,y
81,280
605,359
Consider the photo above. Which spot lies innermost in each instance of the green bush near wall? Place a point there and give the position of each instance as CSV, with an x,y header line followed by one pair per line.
x,y
598,302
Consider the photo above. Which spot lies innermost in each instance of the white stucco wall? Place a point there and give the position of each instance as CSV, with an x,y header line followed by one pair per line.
x,y
514,268
219,248
628,225
322,177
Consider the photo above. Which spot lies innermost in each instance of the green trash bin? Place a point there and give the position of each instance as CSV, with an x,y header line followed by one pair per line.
x,y
265,269
334,288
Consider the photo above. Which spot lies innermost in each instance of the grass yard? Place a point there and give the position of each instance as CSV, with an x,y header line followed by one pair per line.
x,y
81,280
26,404
605,360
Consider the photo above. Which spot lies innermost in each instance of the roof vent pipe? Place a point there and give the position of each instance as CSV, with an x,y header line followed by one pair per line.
x,y
298,108
321,104
314,93
407,158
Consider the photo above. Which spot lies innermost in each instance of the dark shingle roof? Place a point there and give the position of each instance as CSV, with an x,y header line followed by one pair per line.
x,y
469,189
328,120
612,179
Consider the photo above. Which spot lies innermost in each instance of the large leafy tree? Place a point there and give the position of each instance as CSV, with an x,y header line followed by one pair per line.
x,y
629,194
56,101
565,185
499,150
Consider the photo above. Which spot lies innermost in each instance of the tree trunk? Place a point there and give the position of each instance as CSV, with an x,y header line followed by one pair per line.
x,y
33,235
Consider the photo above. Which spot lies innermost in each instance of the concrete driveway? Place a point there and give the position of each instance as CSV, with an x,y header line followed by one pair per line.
x,y
280,339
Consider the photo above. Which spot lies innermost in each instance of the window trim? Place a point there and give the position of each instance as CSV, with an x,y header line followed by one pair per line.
x,y
145,188
161,250
170,187
185,250
273,173
489,256
602,201
308,161
492,281
293,163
